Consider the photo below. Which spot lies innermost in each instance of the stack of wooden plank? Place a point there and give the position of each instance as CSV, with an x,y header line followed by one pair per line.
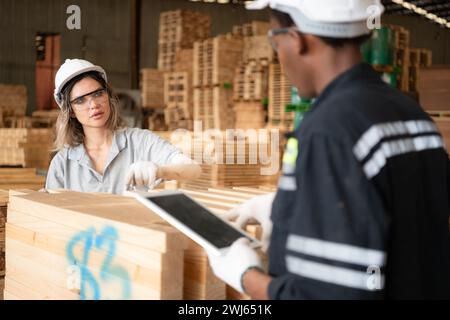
x,y
30,148
13,102
418,58
200,282
214,62
249,115
254,28
234,160
72,245
3,206
91,246
258,48
213,106
21,178
152,88
250,82
279,96
184,60
178,100
179,29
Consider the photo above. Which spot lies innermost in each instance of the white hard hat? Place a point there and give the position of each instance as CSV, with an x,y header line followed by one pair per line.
x,y
328,18
69,70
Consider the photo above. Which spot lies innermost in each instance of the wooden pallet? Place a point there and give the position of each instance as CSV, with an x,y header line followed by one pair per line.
x,y
13,102
215,60
152,88
214,107
184,59
258,48
254,28
279,97
20,178
250,81
26,147
178,92
178,30
401,36
249,115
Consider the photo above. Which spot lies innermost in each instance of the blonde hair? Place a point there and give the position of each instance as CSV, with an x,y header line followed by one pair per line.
x,y
69,131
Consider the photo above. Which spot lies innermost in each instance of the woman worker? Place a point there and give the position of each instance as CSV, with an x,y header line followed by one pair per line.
x,y
96,152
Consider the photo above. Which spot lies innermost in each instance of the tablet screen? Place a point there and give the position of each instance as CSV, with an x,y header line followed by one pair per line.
x,y
198,219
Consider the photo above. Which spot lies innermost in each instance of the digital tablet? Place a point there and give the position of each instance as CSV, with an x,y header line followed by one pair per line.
x,y
211,232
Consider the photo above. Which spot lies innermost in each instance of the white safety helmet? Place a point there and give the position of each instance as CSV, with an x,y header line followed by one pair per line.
x,y
69,70
327,18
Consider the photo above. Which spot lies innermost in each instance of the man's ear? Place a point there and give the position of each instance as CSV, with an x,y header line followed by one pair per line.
x,y
300,40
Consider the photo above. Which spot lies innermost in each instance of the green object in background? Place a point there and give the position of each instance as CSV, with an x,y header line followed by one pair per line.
x,y
366,51
227,85
299,106
382,47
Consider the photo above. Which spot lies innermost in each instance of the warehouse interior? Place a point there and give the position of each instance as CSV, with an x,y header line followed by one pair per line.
x,y
173,64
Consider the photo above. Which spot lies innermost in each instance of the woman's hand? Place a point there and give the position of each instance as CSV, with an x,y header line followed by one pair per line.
x,y
142,174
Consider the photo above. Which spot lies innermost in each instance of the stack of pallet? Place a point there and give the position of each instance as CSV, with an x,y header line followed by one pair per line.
x,y
254,28
401,55
13,102
249,115
418,58
250,82
3,206
20,178
235,160
214,63
179,29
152,88
280,89
89,246
178,100
30,148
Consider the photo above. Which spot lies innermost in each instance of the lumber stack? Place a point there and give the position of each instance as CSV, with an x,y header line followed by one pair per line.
x,y
249,115
254,28
13,102
21,178
178,100
3,206
29,148
75,245
214,62
236,159
279,96
200,282
250,82
152,88
179,29
418,58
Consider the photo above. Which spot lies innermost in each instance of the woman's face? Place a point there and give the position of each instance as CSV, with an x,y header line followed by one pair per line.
x,y
90,103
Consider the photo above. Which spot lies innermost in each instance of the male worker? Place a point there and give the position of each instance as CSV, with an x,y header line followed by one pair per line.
x,y
362,208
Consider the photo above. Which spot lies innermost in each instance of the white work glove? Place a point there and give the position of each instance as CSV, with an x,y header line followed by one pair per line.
x,y
141,174
259,209
231,266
